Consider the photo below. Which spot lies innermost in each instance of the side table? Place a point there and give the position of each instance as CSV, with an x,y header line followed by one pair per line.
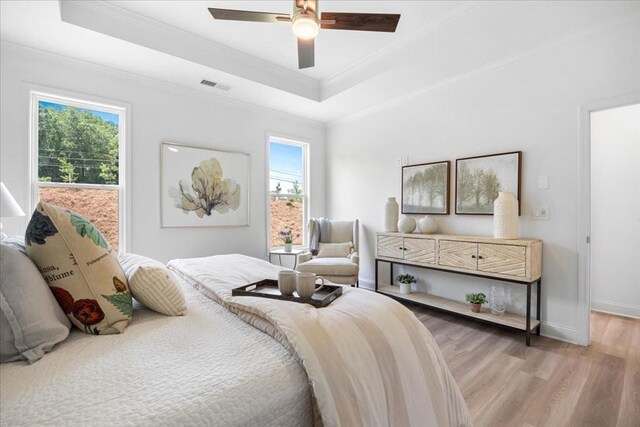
x,y
280,251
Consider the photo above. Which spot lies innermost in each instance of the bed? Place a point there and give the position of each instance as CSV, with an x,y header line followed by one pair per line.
x,y
241,361
206,368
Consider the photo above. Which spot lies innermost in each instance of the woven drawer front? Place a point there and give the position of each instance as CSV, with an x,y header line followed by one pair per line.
x,y
389,247
458,254
420,250
503,259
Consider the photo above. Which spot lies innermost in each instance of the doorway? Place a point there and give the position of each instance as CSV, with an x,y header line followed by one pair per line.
x,y
610,208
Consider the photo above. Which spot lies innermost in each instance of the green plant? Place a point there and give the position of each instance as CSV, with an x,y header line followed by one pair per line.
x,y
478,298
287,236
406,278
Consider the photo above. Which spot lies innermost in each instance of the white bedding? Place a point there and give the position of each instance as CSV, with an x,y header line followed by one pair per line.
x,y
369,360
205,368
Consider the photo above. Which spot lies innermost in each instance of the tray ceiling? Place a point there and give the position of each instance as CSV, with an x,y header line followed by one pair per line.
x,y
436,44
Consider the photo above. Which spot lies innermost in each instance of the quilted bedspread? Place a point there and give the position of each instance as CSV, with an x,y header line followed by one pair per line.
x,y
369,360
208,368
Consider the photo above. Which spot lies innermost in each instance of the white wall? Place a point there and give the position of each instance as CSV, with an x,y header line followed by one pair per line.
x,y
159,112
531,105
615,210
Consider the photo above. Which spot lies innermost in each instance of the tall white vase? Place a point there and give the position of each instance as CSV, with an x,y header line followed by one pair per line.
x,y
505,216
391,215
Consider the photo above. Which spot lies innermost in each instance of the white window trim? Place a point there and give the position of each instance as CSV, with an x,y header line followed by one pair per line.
x,y
299,142
78,100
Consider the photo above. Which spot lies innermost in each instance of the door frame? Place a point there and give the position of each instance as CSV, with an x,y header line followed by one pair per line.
x,y
584,208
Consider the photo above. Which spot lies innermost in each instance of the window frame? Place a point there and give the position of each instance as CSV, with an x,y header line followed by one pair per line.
x,y
306,199
70,99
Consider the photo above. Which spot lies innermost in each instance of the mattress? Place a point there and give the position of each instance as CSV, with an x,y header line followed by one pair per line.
x,y
206,368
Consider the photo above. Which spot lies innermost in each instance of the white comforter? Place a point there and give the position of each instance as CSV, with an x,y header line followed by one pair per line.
x,y
369,360
208,368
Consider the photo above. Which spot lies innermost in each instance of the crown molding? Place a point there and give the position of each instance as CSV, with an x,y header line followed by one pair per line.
x,y
7,46
112,20
371,60
529,55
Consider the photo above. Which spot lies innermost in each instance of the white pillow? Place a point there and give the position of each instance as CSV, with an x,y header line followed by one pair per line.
x,y
334,250
153,285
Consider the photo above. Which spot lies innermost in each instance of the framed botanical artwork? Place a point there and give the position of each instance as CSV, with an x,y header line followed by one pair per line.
x,y
425,188
202,187
480,179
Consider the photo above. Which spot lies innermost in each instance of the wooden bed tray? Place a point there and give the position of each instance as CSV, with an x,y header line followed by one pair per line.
x,y
269,289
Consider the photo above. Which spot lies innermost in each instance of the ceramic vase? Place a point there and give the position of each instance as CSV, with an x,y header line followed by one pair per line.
x,y
427,225
407,224
405,288
391,215
287,247
505,216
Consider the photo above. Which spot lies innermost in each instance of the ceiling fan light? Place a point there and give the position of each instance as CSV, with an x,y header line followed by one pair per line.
x,y
305,27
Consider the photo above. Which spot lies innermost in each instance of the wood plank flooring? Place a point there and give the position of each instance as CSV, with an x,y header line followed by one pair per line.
x,y
551,383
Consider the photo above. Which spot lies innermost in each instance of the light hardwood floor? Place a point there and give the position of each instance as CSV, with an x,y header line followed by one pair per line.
x,y
550,383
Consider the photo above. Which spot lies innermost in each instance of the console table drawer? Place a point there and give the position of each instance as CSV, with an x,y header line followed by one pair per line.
x,y
420,250
503,259
458,254
390,247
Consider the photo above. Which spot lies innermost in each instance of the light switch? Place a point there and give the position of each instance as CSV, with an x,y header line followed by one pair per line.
x,y
541,213
543,182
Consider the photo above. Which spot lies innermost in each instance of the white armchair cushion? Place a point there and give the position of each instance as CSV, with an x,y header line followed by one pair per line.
x,y
334,250
355,258
330,267
341,231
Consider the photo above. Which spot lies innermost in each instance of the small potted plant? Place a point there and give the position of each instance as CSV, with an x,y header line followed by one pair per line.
x,y
405,281
476,301
287,238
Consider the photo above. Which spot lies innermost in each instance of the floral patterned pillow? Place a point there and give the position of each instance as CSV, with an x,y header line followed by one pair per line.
x,y
80,268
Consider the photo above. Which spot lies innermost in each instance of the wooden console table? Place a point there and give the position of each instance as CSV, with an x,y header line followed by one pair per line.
x,y
515,261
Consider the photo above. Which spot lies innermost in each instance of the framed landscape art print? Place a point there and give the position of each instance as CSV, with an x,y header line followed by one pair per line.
x,y
425,188
202,187
480,179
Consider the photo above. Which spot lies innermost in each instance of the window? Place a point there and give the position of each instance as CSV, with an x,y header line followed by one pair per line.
x,y
288,192
78,160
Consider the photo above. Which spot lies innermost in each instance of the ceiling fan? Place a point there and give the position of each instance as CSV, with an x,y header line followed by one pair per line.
x,y
306,22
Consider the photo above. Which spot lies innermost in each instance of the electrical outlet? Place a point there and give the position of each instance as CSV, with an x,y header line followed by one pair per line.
x,y
399,162
543,182
541,213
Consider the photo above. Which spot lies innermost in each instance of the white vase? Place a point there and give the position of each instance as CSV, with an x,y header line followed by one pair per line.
x,y
505,216
391,215
405,288
427,225
407,224
287,247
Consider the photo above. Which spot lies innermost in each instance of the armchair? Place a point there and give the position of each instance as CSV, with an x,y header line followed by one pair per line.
x,y
337,269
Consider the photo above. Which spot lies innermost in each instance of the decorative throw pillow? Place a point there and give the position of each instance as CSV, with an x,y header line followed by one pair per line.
x,y
334,250
80,268
31,322
153,284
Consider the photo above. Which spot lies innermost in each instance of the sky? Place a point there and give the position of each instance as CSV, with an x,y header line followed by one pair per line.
x,y
109,117
286,165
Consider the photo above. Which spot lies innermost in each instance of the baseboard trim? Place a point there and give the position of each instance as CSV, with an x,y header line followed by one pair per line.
x,y
617,308
559,332
366,283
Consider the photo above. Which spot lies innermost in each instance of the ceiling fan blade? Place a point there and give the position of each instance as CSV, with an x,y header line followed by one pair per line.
x,y
245,15
360,21
306,49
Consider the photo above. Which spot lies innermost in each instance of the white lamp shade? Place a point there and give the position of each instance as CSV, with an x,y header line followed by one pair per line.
x,y
8,205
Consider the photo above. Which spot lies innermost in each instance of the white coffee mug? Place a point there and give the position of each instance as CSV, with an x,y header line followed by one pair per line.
x,y
306,284
287,282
